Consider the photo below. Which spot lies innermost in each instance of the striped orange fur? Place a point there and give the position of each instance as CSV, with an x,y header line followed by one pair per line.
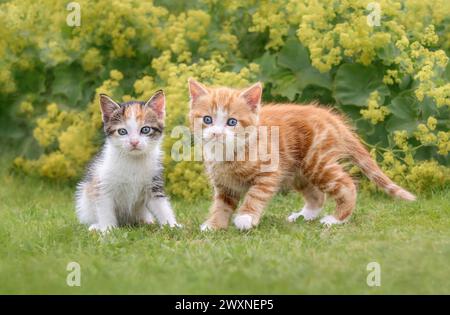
x,y
313,142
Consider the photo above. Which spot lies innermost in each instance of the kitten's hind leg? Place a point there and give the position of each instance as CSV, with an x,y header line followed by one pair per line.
x,y
314,200
340,186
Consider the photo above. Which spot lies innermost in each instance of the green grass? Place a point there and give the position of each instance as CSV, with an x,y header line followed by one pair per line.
x,y
39,236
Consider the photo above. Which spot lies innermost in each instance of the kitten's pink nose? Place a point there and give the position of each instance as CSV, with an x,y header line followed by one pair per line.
x,y
134,143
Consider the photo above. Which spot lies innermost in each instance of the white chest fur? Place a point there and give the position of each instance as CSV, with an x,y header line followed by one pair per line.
x,y
128,179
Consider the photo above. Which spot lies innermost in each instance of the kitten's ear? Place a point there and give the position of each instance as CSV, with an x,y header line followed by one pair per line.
x,y
196,90
252,95
108,106
158,103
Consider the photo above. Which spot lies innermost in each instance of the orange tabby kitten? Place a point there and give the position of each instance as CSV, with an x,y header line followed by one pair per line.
x,y
311,143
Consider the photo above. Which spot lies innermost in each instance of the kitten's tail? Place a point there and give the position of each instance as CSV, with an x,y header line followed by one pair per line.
x,y
361,157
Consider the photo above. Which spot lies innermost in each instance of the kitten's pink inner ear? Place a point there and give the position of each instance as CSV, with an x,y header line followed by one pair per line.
x,y
252,95
108,106
196,89
158,103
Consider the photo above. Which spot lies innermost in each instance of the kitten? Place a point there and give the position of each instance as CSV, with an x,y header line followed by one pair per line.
x,y
124,183
312,141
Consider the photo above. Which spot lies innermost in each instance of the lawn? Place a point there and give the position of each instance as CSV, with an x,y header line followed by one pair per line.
x,y
40,235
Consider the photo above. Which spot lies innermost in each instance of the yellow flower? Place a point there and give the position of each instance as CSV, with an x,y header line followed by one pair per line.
x,y
431,123
26,108
116,75
374,112
443,142
92,60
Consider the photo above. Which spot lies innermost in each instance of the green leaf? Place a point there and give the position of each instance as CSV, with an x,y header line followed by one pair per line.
x,y
388,53
290,71
446,75
31,81
286,85
428,108
404,111
404,106
311,76
68,82
294,56
355,82
268,66
405,82
378,135
395,123
316,93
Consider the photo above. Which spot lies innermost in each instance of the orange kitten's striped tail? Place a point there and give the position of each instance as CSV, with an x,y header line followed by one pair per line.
x,y
362,158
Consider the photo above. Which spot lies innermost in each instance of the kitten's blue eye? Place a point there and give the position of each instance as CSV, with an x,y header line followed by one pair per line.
x,y
146,130
122,131
232,122
207,120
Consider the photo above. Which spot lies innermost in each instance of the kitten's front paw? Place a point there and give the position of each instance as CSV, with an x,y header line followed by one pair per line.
x,y
293,216
206,227
306,213
173,224
100,229
243,222
94,228
176,225
330,220
148,218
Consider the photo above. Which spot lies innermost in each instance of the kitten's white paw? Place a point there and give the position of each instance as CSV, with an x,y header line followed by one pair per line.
x,y
94,227
307,214
205,227
176,225
243,222
293,216
172,224
148,218
330,220
101,229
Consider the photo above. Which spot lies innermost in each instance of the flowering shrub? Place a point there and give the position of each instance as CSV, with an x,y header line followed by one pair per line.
x,y
392,79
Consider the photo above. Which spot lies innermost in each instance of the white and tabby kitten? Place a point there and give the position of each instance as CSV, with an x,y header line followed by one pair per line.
x,y
124,183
